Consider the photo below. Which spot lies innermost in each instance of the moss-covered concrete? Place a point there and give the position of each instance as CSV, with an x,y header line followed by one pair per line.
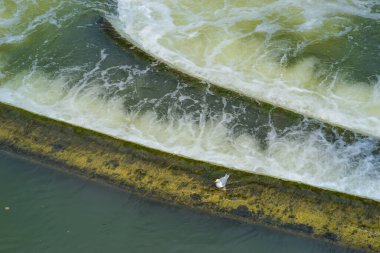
x,y
340,218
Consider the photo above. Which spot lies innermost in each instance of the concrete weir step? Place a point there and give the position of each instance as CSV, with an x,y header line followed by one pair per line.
x,y
337,217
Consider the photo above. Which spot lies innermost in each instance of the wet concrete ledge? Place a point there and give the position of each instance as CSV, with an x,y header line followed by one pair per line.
x,y
340,218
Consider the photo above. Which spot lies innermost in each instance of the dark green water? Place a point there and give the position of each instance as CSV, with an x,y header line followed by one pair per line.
x,y
55,212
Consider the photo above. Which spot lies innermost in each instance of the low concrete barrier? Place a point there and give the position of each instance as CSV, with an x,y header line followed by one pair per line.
x,y
340,218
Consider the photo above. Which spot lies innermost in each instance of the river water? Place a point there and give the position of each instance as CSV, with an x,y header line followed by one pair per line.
x,y
320,61
54,212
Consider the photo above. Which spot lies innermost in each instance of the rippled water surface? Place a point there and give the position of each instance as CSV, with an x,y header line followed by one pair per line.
x,y
321,60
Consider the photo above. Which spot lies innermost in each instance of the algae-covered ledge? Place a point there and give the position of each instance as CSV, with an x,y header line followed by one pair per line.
x,y
337,217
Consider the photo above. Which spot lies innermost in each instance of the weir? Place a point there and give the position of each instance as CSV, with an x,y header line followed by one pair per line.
x,y
117,90
301,58
121,92
337,217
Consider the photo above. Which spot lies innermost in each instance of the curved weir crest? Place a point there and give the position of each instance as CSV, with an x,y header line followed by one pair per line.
x,y
317,59
79,75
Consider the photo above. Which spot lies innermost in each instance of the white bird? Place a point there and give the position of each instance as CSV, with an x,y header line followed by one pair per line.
x,y
221,182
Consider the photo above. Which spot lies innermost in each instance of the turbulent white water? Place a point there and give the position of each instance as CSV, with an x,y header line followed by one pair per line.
x,y
295,54
85,83
299,155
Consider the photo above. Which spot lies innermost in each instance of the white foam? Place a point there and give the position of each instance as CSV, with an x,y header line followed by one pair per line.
x,y
298,155
231,45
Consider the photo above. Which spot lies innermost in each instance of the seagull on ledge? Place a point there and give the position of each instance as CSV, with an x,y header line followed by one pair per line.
x,y
221,182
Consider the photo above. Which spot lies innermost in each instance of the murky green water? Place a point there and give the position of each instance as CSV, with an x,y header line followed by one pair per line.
x,y
55,212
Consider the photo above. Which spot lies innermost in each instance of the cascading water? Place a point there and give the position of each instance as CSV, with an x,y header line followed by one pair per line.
x,y
320,59
59,63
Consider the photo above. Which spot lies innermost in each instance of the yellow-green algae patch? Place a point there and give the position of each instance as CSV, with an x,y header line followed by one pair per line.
x,y
348,220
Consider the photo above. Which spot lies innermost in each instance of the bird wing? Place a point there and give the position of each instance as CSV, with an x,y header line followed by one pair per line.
x,y
224,179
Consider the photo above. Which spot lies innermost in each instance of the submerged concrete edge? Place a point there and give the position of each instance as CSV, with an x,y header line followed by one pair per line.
x,y
337,217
